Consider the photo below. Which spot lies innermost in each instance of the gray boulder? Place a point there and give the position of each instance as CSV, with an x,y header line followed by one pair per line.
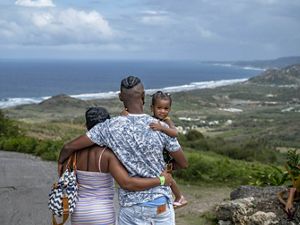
x,y
251,205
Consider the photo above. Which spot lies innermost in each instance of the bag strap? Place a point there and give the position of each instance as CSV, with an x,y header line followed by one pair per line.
x,y
99,162
72,162
65,211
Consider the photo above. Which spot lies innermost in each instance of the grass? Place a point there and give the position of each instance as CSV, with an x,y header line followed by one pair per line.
x,y
202,200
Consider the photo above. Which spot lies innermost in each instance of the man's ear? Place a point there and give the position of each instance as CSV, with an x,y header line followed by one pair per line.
x,y
143,97
121,96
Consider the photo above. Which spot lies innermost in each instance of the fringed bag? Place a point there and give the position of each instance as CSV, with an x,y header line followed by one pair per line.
x,y
63,195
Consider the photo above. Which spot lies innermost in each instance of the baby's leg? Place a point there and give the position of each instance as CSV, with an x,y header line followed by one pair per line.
x,y
176,191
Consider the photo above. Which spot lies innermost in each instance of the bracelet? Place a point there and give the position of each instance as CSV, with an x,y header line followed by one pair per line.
x,y
162,180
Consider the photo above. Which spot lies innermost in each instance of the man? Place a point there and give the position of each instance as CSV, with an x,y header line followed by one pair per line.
x,y
139,148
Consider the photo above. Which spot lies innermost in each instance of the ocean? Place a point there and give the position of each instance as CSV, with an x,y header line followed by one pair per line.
x,y
32,81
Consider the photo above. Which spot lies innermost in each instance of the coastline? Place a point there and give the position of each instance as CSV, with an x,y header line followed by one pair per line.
x,y
12,102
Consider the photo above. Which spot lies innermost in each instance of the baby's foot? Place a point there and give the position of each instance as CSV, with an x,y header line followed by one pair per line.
x,y
180,202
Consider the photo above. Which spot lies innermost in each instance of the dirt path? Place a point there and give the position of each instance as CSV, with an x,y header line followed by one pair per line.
x,y
25,182
201,199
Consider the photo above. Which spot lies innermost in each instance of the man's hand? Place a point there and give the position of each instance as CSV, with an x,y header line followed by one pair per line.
x,y
156,126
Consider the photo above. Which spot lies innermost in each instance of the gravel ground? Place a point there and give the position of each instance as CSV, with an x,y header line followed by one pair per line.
x,y
25,182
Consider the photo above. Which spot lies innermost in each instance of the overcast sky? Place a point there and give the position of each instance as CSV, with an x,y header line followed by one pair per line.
x,y
150,29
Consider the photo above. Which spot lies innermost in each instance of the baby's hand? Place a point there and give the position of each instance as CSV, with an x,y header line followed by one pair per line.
x,y
124,112
156,126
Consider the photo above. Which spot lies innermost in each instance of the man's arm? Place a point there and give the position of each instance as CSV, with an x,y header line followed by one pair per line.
x,y
77,144
118,171
180,160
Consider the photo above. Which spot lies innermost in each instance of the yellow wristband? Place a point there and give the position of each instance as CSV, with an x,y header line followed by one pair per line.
x,y
162,180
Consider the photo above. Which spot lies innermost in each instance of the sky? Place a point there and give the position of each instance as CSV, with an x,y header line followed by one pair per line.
x,y
150,29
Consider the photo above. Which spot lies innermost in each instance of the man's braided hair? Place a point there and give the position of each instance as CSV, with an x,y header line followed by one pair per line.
x,y
130,82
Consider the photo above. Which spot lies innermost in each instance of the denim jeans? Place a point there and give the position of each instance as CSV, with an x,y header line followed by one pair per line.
x,y
144,215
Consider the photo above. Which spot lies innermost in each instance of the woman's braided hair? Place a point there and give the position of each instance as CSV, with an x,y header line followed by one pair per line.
x,y
95,115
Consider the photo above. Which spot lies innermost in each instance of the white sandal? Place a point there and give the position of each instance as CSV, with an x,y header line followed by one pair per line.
x,y
182,202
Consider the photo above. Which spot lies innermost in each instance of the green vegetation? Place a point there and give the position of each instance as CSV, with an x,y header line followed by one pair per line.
x,y
7,127
13,139
211,160
213,168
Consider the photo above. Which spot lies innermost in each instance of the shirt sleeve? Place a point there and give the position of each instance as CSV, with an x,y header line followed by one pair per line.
x,y
98,133
172,144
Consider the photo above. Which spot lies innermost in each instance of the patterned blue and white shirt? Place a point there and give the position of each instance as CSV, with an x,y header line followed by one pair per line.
x,y
140,150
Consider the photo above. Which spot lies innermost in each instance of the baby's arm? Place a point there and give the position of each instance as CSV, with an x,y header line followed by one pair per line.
x,y
170,131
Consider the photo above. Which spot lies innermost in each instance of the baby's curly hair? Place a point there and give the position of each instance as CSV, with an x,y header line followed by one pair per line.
x,y
161,95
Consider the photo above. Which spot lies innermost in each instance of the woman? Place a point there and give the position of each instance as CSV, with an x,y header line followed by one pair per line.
x,y
96,168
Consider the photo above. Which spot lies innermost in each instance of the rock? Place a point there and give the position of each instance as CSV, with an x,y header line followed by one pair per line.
x,y
233,210
251,205
257,192
263,218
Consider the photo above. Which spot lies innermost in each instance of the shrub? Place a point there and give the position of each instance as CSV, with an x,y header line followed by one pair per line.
x,y
47,149
194,135
10,144
8,128
213,168
272,176
26,144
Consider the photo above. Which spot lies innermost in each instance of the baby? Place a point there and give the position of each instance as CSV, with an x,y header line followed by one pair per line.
x,y
160,107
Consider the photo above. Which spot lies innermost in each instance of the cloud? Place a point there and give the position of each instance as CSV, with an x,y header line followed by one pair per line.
x,y
151,17
205,33
267,2
37,3
201,29
56,27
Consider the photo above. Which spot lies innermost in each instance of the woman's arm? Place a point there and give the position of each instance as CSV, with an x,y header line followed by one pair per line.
x,y
120,174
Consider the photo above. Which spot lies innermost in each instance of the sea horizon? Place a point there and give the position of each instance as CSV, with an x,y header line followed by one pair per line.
x,y
31,81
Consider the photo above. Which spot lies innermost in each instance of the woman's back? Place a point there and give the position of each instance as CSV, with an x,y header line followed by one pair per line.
x,y
95,191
